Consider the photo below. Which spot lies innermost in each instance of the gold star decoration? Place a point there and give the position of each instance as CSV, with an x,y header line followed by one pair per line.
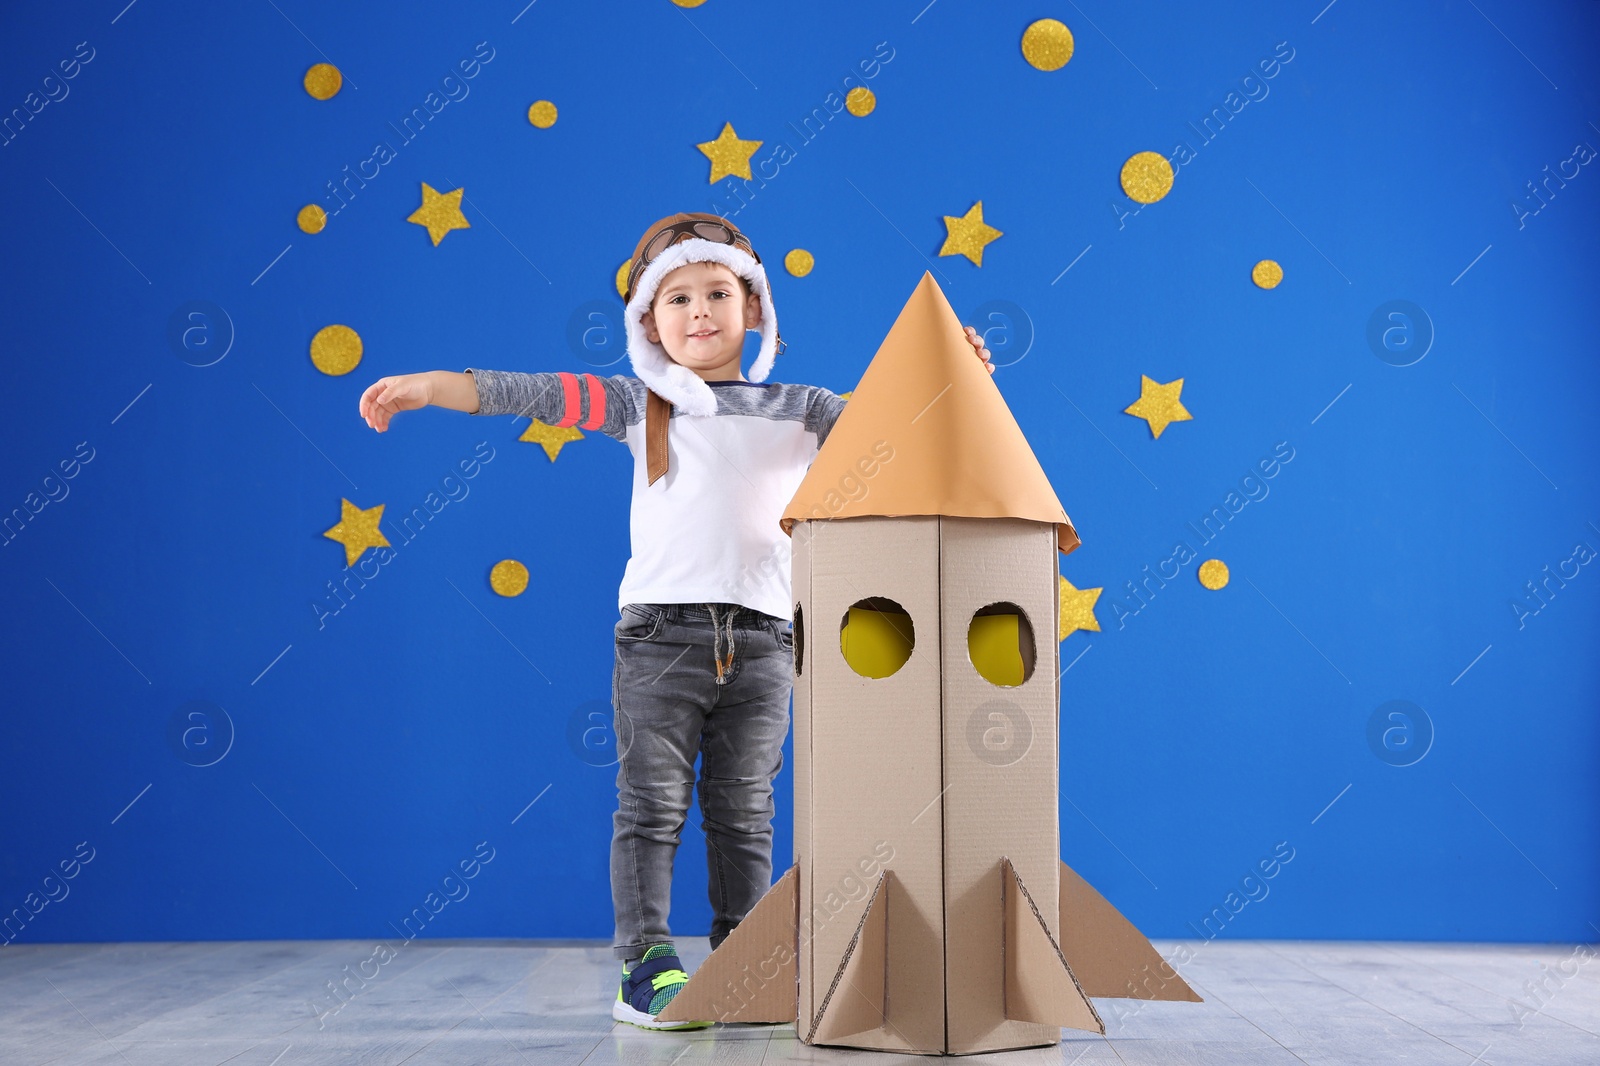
x,y
968,234
729,155
551,438
1077,609
357,530
1158,404
440,212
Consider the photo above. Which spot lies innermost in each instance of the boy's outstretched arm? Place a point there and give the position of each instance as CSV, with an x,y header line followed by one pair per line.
x,y
603,404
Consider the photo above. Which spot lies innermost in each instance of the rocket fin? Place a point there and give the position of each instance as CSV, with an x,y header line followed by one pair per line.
x,y
736,983
856,1000
1039,984
1109,955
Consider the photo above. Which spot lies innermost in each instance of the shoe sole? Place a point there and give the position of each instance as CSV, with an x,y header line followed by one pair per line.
x,y
622,1012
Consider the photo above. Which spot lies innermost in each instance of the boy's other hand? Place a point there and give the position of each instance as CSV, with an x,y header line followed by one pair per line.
x,y
386,397
976,339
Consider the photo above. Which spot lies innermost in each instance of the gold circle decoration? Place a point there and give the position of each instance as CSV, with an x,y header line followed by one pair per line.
x,y
312,218
323,80
1146,177
1213,574
509,578
799,262
336,350
1267,274
1047,44
688,3
622,278
860,101
542,113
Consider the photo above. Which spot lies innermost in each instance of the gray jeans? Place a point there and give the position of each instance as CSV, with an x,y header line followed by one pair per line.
x,y
711,679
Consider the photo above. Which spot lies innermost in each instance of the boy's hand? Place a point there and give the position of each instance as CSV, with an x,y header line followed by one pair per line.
x,y
386,397
977,342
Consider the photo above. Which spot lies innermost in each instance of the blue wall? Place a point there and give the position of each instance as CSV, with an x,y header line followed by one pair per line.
x,y
374,749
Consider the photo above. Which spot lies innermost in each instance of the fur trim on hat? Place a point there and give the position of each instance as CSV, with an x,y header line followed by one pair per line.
x,y
675,382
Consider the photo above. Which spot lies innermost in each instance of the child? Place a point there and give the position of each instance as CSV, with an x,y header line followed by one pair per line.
x,y
704,648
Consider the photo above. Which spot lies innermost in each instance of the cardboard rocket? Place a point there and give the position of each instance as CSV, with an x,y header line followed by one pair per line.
x,y
927,909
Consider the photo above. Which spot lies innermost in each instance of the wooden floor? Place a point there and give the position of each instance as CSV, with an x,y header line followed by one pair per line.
x,y
267,1003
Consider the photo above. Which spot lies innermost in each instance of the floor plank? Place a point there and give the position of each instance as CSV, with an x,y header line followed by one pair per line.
x,y
547,1003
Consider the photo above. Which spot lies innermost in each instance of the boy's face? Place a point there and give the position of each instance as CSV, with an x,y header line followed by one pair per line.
x,y
699,316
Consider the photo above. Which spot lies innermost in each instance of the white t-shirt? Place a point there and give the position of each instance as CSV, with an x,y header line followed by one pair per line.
x,y
707,531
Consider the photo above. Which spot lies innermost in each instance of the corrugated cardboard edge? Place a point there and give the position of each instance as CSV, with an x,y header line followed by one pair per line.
x,y
1039,983
767,938
858,999
1110,957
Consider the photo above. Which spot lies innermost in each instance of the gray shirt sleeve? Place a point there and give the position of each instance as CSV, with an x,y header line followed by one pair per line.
x,y
822,411
541,397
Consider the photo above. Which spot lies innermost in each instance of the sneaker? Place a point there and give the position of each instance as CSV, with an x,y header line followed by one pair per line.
x,y
649,987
